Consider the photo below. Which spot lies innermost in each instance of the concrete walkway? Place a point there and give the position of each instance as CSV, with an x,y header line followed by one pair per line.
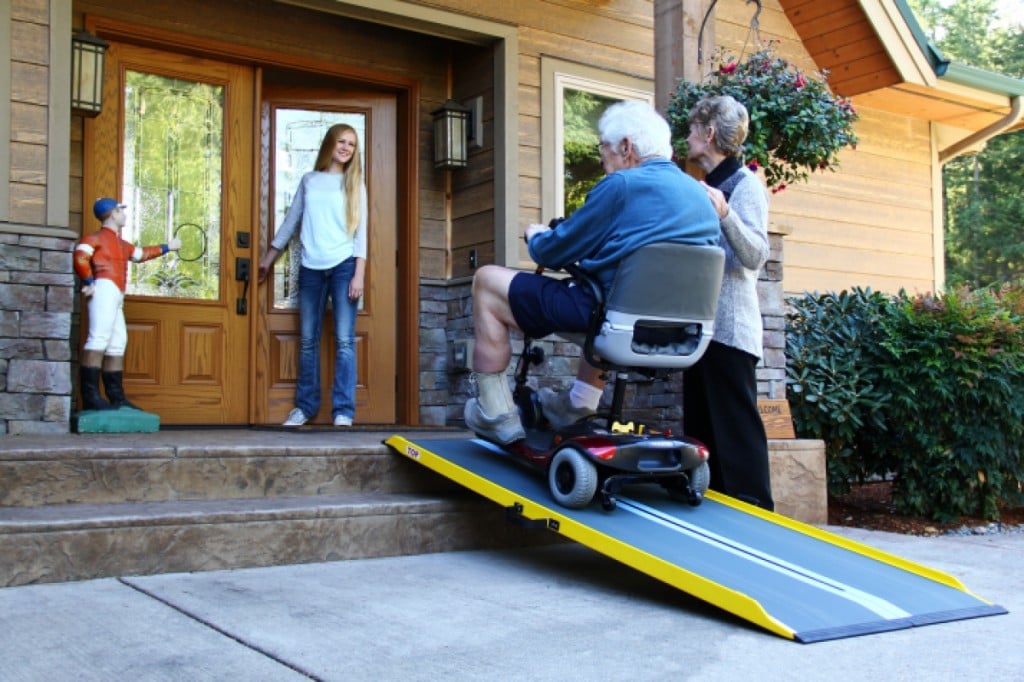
x,y
552,613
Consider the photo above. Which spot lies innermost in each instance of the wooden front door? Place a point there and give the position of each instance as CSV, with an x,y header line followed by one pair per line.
x,y
175,143
293,124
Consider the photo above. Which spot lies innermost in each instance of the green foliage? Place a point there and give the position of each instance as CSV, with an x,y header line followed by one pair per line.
x,y
833,343
581,111
926,390
984,214
797,126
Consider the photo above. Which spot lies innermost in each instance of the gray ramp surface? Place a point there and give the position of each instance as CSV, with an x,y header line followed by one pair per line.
x,y
795,580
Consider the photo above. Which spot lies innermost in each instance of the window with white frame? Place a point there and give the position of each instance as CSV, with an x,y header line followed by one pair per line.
x,y
573,97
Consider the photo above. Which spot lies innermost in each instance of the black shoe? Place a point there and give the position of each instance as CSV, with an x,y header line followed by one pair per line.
x,y
115,391
89,384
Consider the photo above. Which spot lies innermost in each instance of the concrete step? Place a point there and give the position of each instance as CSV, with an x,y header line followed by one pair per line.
x,y
97,505
226,472
55,543
171,466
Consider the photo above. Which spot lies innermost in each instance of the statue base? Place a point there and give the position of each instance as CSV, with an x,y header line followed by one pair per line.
x,y
122,420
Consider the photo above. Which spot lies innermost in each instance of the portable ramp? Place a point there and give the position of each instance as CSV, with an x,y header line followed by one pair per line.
x,y
790,578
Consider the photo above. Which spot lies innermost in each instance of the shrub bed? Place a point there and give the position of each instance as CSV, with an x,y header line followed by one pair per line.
x,y
926,391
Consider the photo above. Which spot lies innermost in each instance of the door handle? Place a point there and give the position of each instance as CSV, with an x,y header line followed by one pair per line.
x,y
243,270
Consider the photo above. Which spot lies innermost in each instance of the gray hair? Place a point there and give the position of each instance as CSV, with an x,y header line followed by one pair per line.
x,y
641,124
728,117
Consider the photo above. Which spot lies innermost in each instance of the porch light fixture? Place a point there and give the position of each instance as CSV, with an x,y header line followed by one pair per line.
x,y
87,55
451,126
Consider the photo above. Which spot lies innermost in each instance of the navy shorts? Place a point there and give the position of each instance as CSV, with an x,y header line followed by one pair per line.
x,y
545,305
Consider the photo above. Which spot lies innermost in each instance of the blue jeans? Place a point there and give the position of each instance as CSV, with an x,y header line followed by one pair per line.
x,y
315,287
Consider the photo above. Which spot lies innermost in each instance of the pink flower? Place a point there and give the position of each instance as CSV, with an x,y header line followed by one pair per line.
x,y
728,68
800,81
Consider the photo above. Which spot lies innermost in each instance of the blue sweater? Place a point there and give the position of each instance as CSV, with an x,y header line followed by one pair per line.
x,y
654,202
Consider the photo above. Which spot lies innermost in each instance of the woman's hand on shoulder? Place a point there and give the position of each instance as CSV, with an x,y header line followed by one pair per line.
x,y
717,199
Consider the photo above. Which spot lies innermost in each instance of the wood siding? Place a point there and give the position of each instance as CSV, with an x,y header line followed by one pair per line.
x,y
615,36
26,141
870,223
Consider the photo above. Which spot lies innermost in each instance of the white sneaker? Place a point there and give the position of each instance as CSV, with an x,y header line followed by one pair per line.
x,y
295,418
343,420
503,429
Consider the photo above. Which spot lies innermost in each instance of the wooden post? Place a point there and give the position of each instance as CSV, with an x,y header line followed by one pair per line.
x,y
676,26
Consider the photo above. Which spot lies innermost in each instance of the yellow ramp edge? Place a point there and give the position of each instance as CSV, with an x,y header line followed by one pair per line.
x,y
845,543
692,583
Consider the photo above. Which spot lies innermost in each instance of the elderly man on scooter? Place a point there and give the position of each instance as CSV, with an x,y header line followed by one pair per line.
x,y
643,199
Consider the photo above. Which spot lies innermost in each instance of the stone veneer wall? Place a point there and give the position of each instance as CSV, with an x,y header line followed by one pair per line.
x,y
446,320
37,298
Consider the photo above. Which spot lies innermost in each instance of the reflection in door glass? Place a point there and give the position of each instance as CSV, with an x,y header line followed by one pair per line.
x,y
173,160
297,137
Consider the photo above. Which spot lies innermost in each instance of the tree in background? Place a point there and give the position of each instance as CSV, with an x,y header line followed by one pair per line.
x,y
581,111
984,192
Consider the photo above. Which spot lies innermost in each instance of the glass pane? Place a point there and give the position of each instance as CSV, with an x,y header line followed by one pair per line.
x,y
582,162
298,134
173,147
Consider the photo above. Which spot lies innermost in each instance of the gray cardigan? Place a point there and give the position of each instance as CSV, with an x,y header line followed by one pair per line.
x,y
745,240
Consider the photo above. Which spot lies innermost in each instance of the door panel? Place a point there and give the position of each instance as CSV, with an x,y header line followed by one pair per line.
x,y
293,123
174,142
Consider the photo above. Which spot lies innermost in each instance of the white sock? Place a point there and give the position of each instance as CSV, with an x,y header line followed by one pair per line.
x,y
494,394
583,395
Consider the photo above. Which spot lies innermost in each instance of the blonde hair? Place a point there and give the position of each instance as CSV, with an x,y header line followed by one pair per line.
x,y
352,173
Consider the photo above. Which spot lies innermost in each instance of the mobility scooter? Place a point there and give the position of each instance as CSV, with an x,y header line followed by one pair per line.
x,y
658,319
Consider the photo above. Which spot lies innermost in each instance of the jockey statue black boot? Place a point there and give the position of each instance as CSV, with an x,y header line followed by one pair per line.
x,y
115,391
89,380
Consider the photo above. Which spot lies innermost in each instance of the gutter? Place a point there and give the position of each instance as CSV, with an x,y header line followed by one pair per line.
x,y
969,76
985,134
1013,88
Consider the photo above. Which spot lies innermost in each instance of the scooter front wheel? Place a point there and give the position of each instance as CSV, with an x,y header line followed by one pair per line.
x,y
572,478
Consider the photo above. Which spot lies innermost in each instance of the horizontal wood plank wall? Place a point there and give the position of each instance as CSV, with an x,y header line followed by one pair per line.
x,y
25,130
869,224
473,190
617,36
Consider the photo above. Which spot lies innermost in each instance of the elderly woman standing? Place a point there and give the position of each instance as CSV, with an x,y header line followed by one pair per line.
x,y
720,390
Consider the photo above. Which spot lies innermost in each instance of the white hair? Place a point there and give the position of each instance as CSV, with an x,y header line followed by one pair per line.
x,y
641,124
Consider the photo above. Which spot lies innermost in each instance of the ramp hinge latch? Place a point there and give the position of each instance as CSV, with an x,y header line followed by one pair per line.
x,y
514,514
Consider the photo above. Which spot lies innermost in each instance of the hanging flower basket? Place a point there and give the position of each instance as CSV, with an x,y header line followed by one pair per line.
x,y
797,126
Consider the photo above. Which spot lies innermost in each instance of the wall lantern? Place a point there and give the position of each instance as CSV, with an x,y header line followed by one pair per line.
x,y
87,55
451,126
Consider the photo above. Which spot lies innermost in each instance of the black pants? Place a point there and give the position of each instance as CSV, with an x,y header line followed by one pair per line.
x,y
720,409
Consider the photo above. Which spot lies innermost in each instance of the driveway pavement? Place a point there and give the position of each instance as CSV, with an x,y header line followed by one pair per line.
x,y
560,612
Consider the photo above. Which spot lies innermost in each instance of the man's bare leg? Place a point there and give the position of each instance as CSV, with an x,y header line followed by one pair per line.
x,y
493,413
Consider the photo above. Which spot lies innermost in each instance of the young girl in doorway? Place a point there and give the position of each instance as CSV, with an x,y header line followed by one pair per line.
x,y
330,209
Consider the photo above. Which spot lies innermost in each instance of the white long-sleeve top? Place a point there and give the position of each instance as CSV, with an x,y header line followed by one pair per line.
x,y
745,240
319,207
